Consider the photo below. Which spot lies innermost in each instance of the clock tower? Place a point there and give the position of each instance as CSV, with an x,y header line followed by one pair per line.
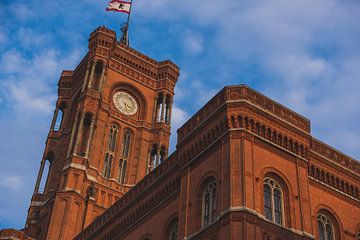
x,y
111,127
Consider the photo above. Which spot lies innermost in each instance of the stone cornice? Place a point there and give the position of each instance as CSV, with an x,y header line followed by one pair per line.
x,y
315,182
332,155
243,93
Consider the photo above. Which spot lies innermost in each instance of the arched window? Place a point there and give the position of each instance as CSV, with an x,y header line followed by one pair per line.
x,y
160,105
273,201
126,144
42,181
45,176
112,138
107,165
85,134
109,154
172,230
58,119
209,204
122,170
124,156
174,233
162,108
325,227
98,75
147,237
154,158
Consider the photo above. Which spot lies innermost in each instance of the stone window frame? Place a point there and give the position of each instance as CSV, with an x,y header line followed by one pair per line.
x,y
125,152
274,185
210,189
110,151
326,221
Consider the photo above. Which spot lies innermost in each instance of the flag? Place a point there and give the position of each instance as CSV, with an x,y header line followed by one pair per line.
x,y
119,6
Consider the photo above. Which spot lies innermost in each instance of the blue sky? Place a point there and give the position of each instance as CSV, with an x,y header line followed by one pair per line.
x,y
304,54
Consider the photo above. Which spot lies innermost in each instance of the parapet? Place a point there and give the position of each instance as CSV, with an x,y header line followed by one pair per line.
x,y
237,93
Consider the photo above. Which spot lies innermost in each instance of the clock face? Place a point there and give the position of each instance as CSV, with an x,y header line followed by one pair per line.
x,y
125,103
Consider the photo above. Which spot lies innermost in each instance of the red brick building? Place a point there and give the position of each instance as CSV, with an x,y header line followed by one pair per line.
x,y
245,167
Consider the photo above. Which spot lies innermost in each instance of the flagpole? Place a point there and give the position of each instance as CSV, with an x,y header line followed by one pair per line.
x,y
125,37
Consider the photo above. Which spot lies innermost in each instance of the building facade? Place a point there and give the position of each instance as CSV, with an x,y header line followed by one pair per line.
x,y
245,167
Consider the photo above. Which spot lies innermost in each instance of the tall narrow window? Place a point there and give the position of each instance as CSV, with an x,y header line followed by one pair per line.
x,y
267,201
85,134
59,119
107,165
273,201
124,156
160,108
325,227
109,154
98,75
209,204
153,158
45,177
126,144
75,131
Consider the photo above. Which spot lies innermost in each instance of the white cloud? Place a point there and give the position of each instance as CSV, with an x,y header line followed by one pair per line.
x,y
21,11
11,182
10,62
28,83
193,43
179,116
26,101
28,38
3,37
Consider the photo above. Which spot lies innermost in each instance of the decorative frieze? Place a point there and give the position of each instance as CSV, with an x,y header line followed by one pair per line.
x,y
234,93
333,181
335,156
272,135
137,76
